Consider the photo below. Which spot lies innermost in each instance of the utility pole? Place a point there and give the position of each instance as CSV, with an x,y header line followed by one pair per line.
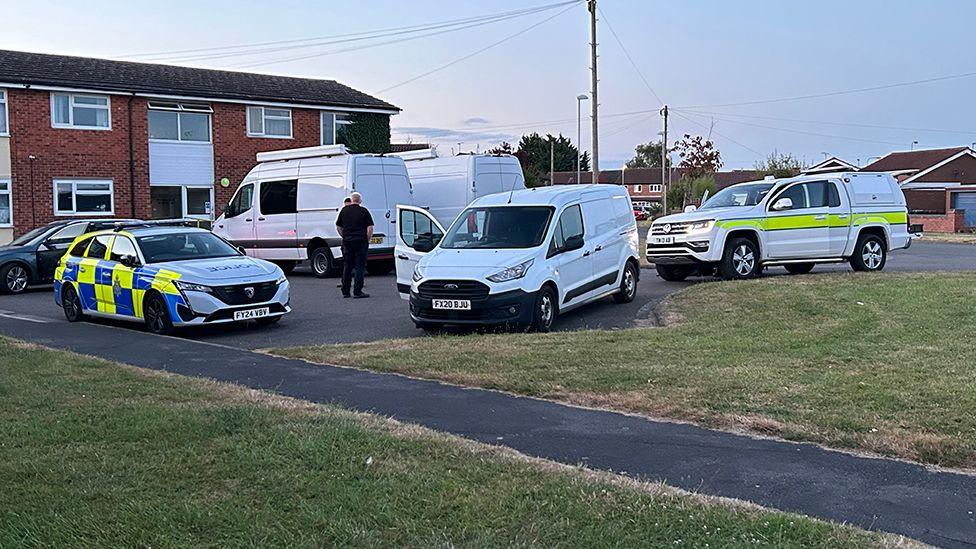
x,y
552,162
665,173
594,101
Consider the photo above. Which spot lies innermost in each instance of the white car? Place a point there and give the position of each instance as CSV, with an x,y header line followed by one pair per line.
x,y
796,223
519,258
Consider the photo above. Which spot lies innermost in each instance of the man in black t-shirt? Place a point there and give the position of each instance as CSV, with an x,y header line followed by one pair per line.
x,y
355,226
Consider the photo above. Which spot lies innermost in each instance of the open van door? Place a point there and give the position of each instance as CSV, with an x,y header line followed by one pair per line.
x,y
417,234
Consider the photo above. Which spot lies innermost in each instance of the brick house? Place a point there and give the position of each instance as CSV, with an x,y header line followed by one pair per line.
x,y
939,185
94,137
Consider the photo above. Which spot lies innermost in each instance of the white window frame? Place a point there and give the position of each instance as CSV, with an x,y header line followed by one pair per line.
x,y
654,188
75,192
264,116
71,111
638,189
180,108
335,125
9,192
5,131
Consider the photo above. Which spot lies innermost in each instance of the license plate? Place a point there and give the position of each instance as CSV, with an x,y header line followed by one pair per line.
x,y
662,240
376,240
453,304
251,313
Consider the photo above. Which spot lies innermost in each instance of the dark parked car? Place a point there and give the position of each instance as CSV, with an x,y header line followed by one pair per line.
x,y
32,258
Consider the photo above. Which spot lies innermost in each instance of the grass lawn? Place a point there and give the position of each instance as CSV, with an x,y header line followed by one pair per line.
x,y
885,363
94,454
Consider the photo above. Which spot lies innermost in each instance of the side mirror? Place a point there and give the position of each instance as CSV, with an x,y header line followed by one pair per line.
x,y
690,208
423,244
783,204
574,242
129,261
242,250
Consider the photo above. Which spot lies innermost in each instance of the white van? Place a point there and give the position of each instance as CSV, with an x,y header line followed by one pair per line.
x,y
518,258
445,185
285,208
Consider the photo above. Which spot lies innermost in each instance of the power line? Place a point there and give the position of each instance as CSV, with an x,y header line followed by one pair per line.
x,y
629,58
827,123
802,132
722,135
478,51
834,93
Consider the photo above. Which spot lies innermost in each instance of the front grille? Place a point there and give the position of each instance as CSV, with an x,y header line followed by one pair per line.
x,y
676,228
453,289
237,294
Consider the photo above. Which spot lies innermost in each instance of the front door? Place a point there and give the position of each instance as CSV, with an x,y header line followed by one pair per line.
x,y
799,230
417,233
839,216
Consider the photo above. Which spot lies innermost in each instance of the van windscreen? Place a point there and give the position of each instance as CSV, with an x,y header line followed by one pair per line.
x,y
499,227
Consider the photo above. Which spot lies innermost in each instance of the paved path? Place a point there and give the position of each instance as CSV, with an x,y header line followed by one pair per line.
x,y
893,496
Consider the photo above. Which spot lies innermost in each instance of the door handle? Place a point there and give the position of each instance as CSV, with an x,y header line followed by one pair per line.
x,y
248,219
586,253
402,256
598,248
842,216
820,217
81,269
260,219
220,226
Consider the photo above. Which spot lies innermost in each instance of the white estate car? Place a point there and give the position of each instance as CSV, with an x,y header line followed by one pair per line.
x,y
518,258
795,222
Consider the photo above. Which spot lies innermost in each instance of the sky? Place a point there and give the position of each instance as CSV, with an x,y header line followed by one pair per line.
x,y
523,74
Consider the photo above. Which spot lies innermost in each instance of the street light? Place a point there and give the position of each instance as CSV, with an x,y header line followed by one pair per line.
x,y
913,144
579,131
623,176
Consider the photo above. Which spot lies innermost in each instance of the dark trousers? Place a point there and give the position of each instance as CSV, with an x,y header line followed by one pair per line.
x,y
354,261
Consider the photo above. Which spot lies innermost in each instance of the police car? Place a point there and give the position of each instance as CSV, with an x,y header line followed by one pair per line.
x,y
167,277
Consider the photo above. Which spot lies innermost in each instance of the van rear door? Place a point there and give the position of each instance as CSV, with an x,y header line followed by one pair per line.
x,y
417,233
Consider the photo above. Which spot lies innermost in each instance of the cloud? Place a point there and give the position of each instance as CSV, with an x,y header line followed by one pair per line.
x,y
476,121
447,135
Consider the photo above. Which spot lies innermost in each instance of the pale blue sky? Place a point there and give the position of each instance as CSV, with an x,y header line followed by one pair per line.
x,y
691,52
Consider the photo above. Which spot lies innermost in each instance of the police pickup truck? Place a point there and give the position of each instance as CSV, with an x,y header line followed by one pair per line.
x,y
795,223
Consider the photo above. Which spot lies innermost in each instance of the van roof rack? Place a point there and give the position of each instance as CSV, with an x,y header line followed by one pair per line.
x,y
122,225
303,152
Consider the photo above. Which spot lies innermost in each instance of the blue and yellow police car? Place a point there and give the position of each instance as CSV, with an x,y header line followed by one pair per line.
x,y
167,277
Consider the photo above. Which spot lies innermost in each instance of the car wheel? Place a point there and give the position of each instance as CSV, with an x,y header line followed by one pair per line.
x,y
286,266
14,278
323,264
71,304
379,267
628,285
870,254
740,260
673,273
156,315
269,320
546,310
799,268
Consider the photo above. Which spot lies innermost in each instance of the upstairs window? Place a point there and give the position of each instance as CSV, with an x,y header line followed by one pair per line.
x,y
268,122
179,122
334,126
85,112
4,130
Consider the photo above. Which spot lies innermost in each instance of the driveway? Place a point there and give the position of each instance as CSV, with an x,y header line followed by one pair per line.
x,y
321,316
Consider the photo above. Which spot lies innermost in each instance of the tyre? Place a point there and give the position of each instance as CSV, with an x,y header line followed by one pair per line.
x,y
14,278
799,268
323,264
269,320
870,254
628,285
379,267
71,304
546,310
673,273
156,314
740,259
286,266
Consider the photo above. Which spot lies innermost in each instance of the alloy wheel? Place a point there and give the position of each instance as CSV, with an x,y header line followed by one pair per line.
x,y
545,309
154,314
743,260
872,254
629,286
16,280
320,263
72,308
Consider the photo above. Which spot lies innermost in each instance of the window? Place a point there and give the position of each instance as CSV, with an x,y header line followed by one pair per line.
x,y
499,227
241,202
638,189
328,128
570,225
805,195
415,226
4,130
60,240
184,246
78,250
122,247
655,188
6,217
83,196
268,122
834,195
88,112
98,247
334,126
279,197
342,123
179,122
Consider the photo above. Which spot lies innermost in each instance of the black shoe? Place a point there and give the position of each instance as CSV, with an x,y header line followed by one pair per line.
x,y
361,295
338,284
346,295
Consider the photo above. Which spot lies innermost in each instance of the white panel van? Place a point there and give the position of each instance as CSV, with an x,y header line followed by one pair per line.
x,y
445,185
285,208
519,258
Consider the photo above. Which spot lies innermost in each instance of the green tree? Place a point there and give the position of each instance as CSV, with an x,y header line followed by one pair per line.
x,y
367,133
648,155
533,153
698,155
779,165
687,191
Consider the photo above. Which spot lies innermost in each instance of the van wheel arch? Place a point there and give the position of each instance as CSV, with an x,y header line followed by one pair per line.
x,y
636,264
744,233
875,230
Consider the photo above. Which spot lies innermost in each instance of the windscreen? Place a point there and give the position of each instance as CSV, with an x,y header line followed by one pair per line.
x,y
183,247
746,194
499,227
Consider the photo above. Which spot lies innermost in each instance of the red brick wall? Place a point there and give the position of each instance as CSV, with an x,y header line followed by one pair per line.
x,y
234,151
70,153
929,201
961,170
952,222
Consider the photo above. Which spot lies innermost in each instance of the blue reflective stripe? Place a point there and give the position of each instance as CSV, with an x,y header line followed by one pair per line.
x,y
87,294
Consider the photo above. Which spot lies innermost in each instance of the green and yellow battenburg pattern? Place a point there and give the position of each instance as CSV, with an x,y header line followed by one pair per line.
x,y
815,221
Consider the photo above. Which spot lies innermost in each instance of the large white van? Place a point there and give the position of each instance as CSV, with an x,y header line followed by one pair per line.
x,y
445,185
285,208
518,258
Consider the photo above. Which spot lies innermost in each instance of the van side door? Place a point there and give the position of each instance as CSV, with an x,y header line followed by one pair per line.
x,y
417,234
275,225
839,215
569,255
603,238
796,222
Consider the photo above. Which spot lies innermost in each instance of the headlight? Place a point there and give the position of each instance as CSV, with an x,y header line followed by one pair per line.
x,y
512,273
701,226
191,287
281,280
418,275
